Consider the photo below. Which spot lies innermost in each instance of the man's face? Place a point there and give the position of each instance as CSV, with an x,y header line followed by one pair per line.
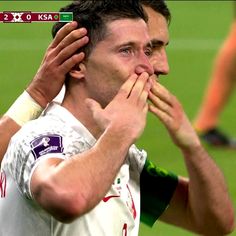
x,y
125,50
159,35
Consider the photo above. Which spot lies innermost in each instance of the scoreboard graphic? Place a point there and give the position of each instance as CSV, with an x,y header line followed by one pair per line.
x,y
29,17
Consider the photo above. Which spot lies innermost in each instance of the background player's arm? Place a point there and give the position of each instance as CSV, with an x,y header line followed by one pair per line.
x,y
8,128
200,203
59,58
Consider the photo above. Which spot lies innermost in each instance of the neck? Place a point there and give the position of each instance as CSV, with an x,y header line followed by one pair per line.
x,y
76,105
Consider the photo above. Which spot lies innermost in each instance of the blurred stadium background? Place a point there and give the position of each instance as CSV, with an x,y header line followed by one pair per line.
x,y
196,32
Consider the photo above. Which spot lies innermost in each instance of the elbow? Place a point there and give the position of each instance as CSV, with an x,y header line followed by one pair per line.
x,y
229,225
73,206
69,211
223,225
63,204
227,222
218,230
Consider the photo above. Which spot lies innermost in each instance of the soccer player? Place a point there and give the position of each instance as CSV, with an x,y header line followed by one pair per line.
x,y
77,163
57,62
218,92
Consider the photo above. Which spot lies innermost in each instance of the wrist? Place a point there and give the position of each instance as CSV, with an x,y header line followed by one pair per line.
x,y
24,109
120,137
193,149
37,96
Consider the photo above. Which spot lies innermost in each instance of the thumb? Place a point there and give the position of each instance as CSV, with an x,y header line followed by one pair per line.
x,y
93,106
97,113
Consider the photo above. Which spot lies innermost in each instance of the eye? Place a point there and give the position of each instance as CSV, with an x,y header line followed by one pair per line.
x,y
156,47
148,51
126,50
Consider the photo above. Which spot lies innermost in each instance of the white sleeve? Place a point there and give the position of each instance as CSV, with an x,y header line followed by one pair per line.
x,y
25,153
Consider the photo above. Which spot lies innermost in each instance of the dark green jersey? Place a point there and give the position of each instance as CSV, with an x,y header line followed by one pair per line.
x,y
157,187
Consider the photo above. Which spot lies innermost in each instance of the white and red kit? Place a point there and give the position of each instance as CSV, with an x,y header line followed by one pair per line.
x,y
118,214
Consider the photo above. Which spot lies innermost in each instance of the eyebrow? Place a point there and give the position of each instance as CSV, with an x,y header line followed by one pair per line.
x,y
131,43
156,43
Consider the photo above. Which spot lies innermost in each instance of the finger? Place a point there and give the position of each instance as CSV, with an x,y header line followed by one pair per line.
x,y
71,62
145,109
160,91
139,86
161,115
126,88
70,50
71,38
63,32
144,95
160,104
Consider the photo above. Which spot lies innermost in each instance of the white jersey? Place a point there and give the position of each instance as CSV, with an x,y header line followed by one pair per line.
x,y
58,131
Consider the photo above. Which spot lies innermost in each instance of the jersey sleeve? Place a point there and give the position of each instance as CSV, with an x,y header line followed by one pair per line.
x,y
157,187
26,152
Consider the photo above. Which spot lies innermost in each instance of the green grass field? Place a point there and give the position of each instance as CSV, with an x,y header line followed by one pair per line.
x,y
196,32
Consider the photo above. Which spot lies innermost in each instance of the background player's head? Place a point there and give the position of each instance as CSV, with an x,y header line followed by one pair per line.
x,y
158,6
159,18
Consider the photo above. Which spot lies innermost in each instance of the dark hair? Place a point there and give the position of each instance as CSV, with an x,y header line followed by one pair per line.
x,y
158,6
94,14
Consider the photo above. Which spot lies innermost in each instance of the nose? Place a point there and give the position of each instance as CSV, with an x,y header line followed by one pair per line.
x,y
160,63
144,65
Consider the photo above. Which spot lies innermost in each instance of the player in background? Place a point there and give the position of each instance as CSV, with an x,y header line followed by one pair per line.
x,y
59,58
220,87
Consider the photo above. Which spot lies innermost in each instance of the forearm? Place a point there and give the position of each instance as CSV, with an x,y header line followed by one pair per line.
x,y
21,111
8,128
200,204
81,181
208,203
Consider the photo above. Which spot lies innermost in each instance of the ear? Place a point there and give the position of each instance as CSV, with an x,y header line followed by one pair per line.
x,y
78,72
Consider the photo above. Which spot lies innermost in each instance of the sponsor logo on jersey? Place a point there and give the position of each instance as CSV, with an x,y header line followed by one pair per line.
x,y
124,193
46,144
105,199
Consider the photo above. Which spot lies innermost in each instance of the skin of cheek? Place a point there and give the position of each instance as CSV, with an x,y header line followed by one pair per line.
x,y
104,79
